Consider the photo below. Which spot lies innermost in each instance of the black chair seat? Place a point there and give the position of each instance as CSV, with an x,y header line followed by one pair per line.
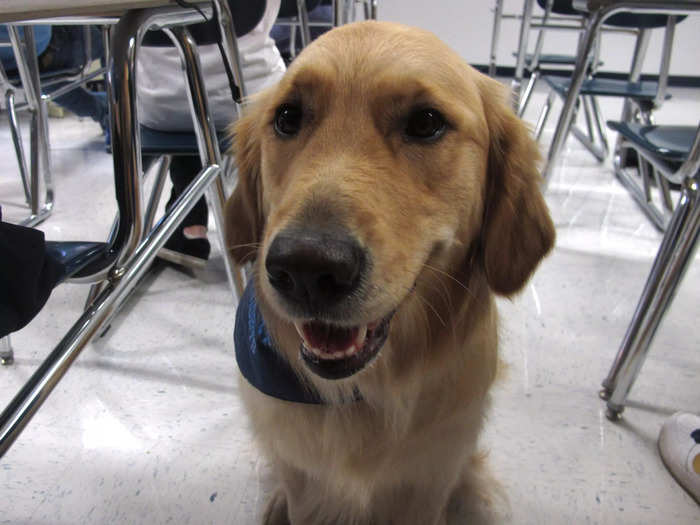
x,y
30,268
155,142
643,90
671,143
74,256
552,59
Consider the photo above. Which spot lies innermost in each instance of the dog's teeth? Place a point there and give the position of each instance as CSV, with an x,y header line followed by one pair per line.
x,y
360,339
300,329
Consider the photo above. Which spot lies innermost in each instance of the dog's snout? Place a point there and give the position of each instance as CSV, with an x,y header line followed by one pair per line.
x,y
314,269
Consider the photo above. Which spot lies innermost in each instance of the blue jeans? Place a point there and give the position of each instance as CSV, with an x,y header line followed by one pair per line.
x,y
66,51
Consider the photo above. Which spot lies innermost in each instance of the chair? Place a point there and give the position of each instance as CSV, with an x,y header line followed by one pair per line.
x,y
642,97
681,234
294,14
599,11
305,15
129,250
558,15
32,85
672,153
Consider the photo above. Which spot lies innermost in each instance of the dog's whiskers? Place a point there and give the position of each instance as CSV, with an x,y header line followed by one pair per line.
x,y
449,276
425,302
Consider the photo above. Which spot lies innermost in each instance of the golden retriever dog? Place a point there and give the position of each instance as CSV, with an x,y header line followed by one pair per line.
x,y
386,194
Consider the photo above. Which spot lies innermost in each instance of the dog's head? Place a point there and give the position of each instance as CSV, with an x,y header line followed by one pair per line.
x,y
380,156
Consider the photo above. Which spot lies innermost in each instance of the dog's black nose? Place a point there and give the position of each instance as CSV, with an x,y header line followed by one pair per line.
x,y
314,269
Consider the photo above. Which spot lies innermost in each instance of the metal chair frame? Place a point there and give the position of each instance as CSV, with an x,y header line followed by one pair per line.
x,y
593,137
130,250
681,234
672,260
599,11
39,166
343,13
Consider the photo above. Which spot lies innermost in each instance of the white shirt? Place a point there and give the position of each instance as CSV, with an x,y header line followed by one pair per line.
x,y
161,91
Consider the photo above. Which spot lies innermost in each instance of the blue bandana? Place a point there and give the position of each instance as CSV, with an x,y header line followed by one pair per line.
x,y
257,358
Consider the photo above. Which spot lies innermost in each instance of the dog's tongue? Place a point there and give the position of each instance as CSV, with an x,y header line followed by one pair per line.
x,y
328,338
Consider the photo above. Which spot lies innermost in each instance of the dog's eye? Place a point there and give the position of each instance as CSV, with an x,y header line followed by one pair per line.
x,y
288,120
425,124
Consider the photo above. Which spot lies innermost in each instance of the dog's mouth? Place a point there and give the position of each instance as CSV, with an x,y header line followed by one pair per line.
x,y
335,352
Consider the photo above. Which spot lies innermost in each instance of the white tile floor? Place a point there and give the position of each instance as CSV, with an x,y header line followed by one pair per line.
x,y
147,426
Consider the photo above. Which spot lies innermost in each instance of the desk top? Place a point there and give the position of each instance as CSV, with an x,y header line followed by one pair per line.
x,y
16,10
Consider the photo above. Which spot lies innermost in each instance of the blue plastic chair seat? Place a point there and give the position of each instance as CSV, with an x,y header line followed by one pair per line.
x,y
671,143
605,87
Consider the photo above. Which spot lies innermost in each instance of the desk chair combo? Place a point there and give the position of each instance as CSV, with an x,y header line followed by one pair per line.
x,y
122,260
31,86
644,97
673,153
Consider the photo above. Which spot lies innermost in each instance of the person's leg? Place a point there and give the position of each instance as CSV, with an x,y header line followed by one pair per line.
x,y
83,103
66,51
189,245
183,169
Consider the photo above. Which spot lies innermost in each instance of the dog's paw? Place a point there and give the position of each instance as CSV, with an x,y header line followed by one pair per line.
x,y
276,512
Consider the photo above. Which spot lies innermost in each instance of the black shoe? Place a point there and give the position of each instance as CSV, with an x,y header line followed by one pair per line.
x,y
185,252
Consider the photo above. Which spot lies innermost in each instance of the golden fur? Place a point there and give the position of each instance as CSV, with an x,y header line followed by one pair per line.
x,y
448,223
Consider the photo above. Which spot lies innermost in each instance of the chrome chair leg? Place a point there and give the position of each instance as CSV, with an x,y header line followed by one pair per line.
x,y
303,16
641,191
293,41
672,260
370,9
28,68
7,356
517,81
495,34
542,119
599,127
161,173
17,141
588,139
534,75
566,116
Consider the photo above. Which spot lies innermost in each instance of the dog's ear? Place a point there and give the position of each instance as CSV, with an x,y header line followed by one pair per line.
x,y
517,231
243,211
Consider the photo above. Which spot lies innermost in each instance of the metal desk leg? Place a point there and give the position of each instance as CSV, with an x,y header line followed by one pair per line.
x,y
672,260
